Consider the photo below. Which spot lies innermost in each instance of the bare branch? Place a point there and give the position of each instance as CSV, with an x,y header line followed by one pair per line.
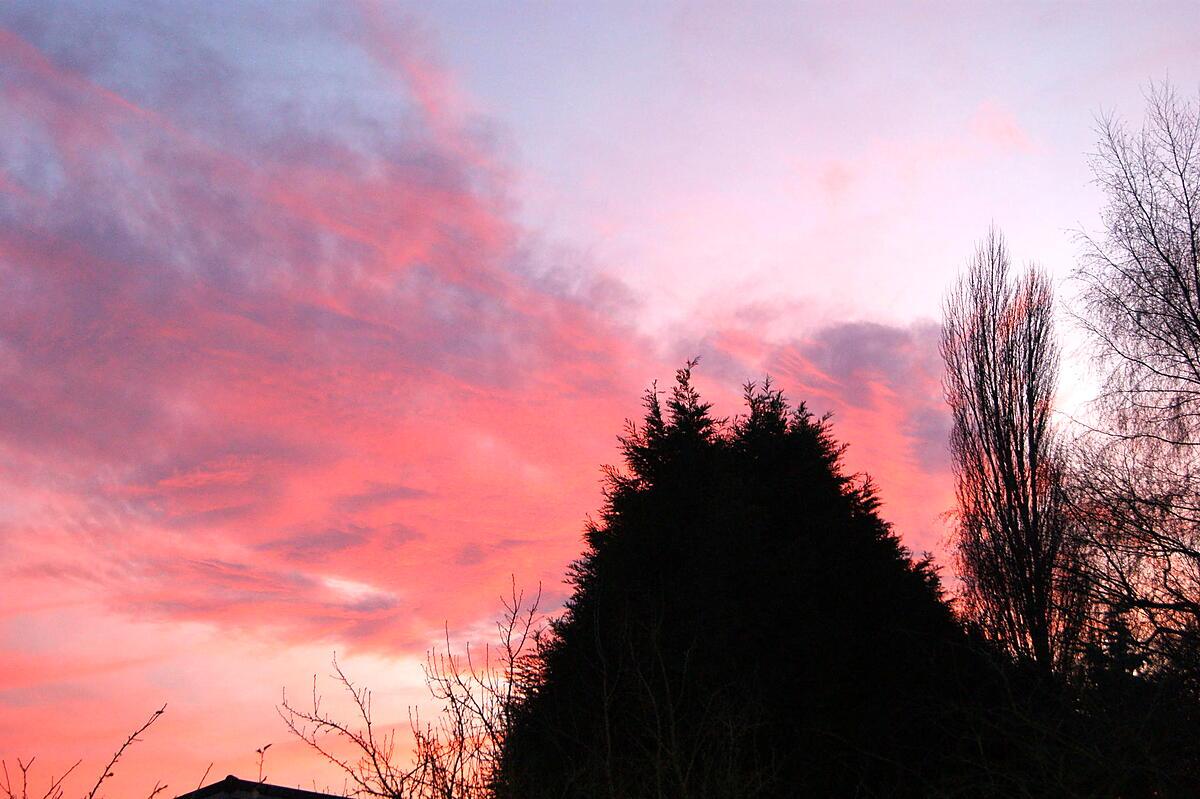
x,y
1013,544
453,757
1139,478
132,739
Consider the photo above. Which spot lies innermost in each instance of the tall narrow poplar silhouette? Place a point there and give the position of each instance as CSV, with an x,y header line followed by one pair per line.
x,y
1015,554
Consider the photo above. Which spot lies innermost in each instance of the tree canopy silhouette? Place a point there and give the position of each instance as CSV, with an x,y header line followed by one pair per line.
x,y
743,623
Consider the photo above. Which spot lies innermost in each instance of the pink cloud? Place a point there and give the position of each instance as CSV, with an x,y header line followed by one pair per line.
x,y
291,396
835,179
999,128
298,386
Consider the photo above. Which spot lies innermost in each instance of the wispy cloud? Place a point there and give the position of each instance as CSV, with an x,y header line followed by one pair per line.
x,y
277,360
237,293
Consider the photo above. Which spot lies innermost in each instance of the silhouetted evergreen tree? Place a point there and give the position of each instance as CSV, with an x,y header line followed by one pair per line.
x,y
743,623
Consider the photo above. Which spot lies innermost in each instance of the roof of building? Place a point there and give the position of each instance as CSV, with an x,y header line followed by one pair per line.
x,y
233,788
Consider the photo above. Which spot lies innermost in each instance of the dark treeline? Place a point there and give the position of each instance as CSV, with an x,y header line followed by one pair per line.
x,y
744,624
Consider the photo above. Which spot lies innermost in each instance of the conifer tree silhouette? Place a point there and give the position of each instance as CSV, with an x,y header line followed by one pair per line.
x,y
743,623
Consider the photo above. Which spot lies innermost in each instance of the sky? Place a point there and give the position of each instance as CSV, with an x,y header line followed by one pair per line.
x,y
319,319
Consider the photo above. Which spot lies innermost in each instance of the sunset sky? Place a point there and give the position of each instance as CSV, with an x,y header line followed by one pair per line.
x,y
318,320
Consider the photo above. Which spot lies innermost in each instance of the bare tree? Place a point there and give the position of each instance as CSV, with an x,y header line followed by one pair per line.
x,y
1141,295
16,785
1142,278
1015,556
453,757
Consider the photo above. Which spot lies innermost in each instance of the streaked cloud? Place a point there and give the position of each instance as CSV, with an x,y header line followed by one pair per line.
x,y
285,367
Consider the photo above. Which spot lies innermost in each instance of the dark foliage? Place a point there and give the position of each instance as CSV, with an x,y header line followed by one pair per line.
x,y
745,624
